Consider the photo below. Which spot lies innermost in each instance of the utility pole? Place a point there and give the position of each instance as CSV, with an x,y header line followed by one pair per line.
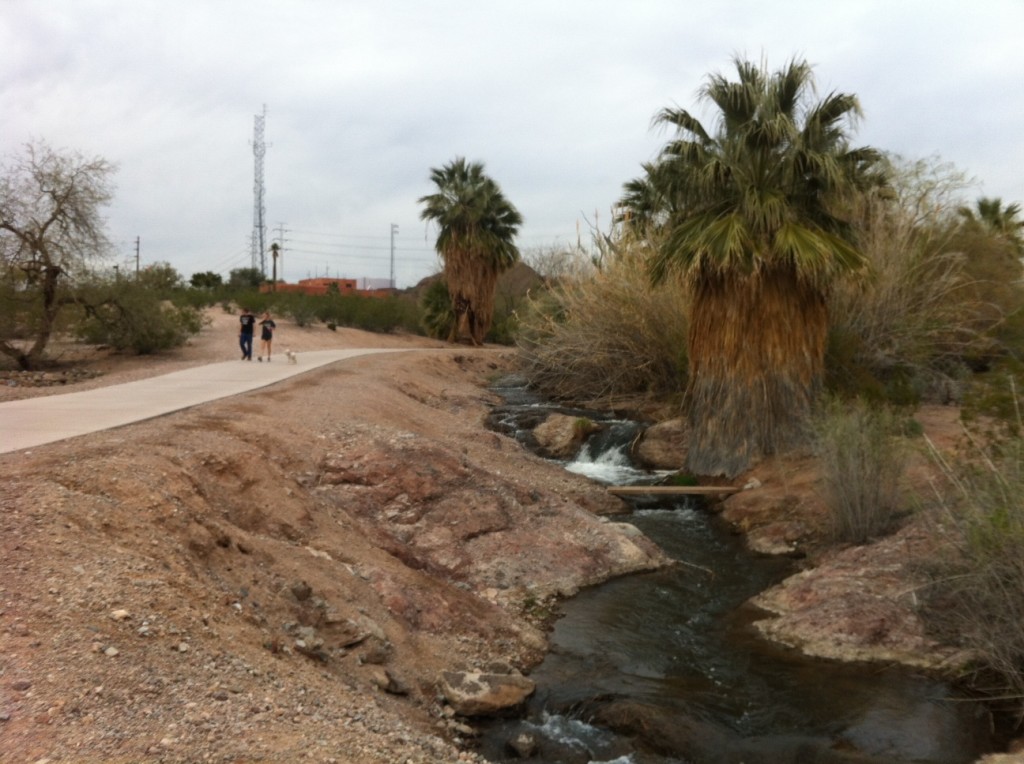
x,y
394,230
138,242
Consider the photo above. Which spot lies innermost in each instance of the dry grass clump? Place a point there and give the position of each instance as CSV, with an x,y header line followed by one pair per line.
x,y
977,574
862,461
603,333
900,333
935,296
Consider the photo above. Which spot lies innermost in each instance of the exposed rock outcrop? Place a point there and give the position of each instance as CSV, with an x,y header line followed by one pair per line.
x,y
475,693
856,606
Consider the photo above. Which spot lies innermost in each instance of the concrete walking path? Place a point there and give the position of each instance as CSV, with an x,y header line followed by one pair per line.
x,y
49,418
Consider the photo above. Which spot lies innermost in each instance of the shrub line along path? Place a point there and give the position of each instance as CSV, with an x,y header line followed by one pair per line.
x,y
47,419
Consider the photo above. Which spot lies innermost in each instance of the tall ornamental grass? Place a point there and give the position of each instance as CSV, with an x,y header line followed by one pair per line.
x,y
976,594
862,459
602,334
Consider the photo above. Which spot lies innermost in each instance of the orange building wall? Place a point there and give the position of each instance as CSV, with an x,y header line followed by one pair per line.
x,y
323,286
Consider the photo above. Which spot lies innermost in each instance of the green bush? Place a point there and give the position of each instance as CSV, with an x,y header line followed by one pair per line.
x,y
862,460
372,314
138,320
303,309
437,319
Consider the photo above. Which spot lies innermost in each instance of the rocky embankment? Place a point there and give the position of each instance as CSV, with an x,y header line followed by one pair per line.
x,y
345,567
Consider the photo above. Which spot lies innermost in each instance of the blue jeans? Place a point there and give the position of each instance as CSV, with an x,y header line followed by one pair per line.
x,y
245,342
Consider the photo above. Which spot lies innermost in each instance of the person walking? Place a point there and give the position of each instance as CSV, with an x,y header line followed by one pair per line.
x,y
247,322
267,327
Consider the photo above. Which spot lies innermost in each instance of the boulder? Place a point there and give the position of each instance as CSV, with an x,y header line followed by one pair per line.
x,y
560,436
474,693
663,446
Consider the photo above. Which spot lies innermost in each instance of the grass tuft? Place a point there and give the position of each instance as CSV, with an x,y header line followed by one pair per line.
x,y
862,461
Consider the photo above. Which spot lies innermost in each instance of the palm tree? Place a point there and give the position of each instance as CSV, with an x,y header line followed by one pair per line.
x,y
1002,221
477,228
751,225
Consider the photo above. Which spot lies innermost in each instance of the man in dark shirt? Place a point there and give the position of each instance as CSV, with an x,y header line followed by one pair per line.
x,y
247,321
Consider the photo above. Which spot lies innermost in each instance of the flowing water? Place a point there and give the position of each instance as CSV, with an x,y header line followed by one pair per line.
x,y
669,660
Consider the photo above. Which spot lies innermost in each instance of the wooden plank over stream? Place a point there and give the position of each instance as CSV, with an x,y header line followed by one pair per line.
x,y
672,490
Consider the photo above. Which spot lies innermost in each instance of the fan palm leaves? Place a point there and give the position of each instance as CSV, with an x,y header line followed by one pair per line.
x,y
748,210
999,219
477,227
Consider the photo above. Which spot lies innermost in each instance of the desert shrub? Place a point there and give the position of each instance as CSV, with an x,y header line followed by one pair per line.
x,y
437,316
132,318
976,591
935,295
606,333
195,298
989,396
371,314
504,324
303,309
862,461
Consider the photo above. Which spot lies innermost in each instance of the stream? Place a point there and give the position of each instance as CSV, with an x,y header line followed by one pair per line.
x,y
664,667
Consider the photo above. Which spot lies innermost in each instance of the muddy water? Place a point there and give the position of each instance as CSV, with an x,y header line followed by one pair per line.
x,y
664,667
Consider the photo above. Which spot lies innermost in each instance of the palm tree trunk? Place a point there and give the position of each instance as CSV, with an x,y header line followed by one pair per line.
x,y
757,348
471,287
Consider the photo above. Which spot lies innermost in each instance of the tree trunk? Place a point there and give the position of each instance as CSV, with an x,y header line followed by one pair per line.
x,y
757,350
471,285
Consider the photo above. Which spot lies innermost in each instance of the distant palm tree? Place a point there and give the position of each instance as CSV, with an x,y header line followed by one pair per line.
x,y
749,220
477,227
1005,222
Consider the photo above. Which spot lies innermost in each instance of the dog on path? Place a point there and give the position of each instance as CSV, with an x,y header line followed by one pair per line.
x,y
292,357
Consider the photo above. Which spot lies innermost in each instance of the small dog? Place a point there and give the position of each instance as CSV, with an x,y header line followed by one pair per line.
x,y
292,357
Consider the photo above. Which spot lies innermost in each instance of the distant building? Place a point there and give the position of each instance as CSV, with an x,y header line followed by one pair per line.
x,y
327,286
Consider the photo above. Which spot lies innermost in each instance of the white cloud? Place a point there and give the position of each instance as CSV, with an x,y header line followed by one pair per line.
x,y
363,98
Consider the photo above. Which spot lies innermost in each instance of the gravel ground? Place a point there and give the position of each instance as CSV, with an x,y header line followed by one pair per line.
x,y
189,589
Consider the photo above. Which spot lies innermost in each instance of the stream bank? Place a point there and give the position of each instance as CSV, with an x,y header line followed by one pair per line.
x,y
670,666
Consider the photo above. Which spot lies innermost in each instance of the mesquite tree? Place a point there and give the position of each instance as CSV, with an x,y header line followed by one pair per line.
x,y
50,229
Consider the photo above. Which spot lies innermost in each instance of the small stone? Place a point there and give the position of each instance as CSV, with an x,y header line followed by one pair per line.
x,y
182,647
21,685
110,652
120,615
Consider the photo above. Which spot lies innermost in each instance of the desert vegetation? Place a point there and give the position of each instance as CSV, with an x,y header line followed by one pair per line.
x,y
975,594
778,286
884,284
477,226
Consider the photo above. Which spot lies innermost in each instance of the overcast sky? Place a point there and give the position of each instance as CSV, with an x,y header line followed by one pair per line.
x,y
363,98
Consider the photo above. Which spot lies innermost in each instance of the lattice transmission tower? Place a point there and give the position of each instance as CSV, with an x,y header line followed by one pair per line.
x,y
259,210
